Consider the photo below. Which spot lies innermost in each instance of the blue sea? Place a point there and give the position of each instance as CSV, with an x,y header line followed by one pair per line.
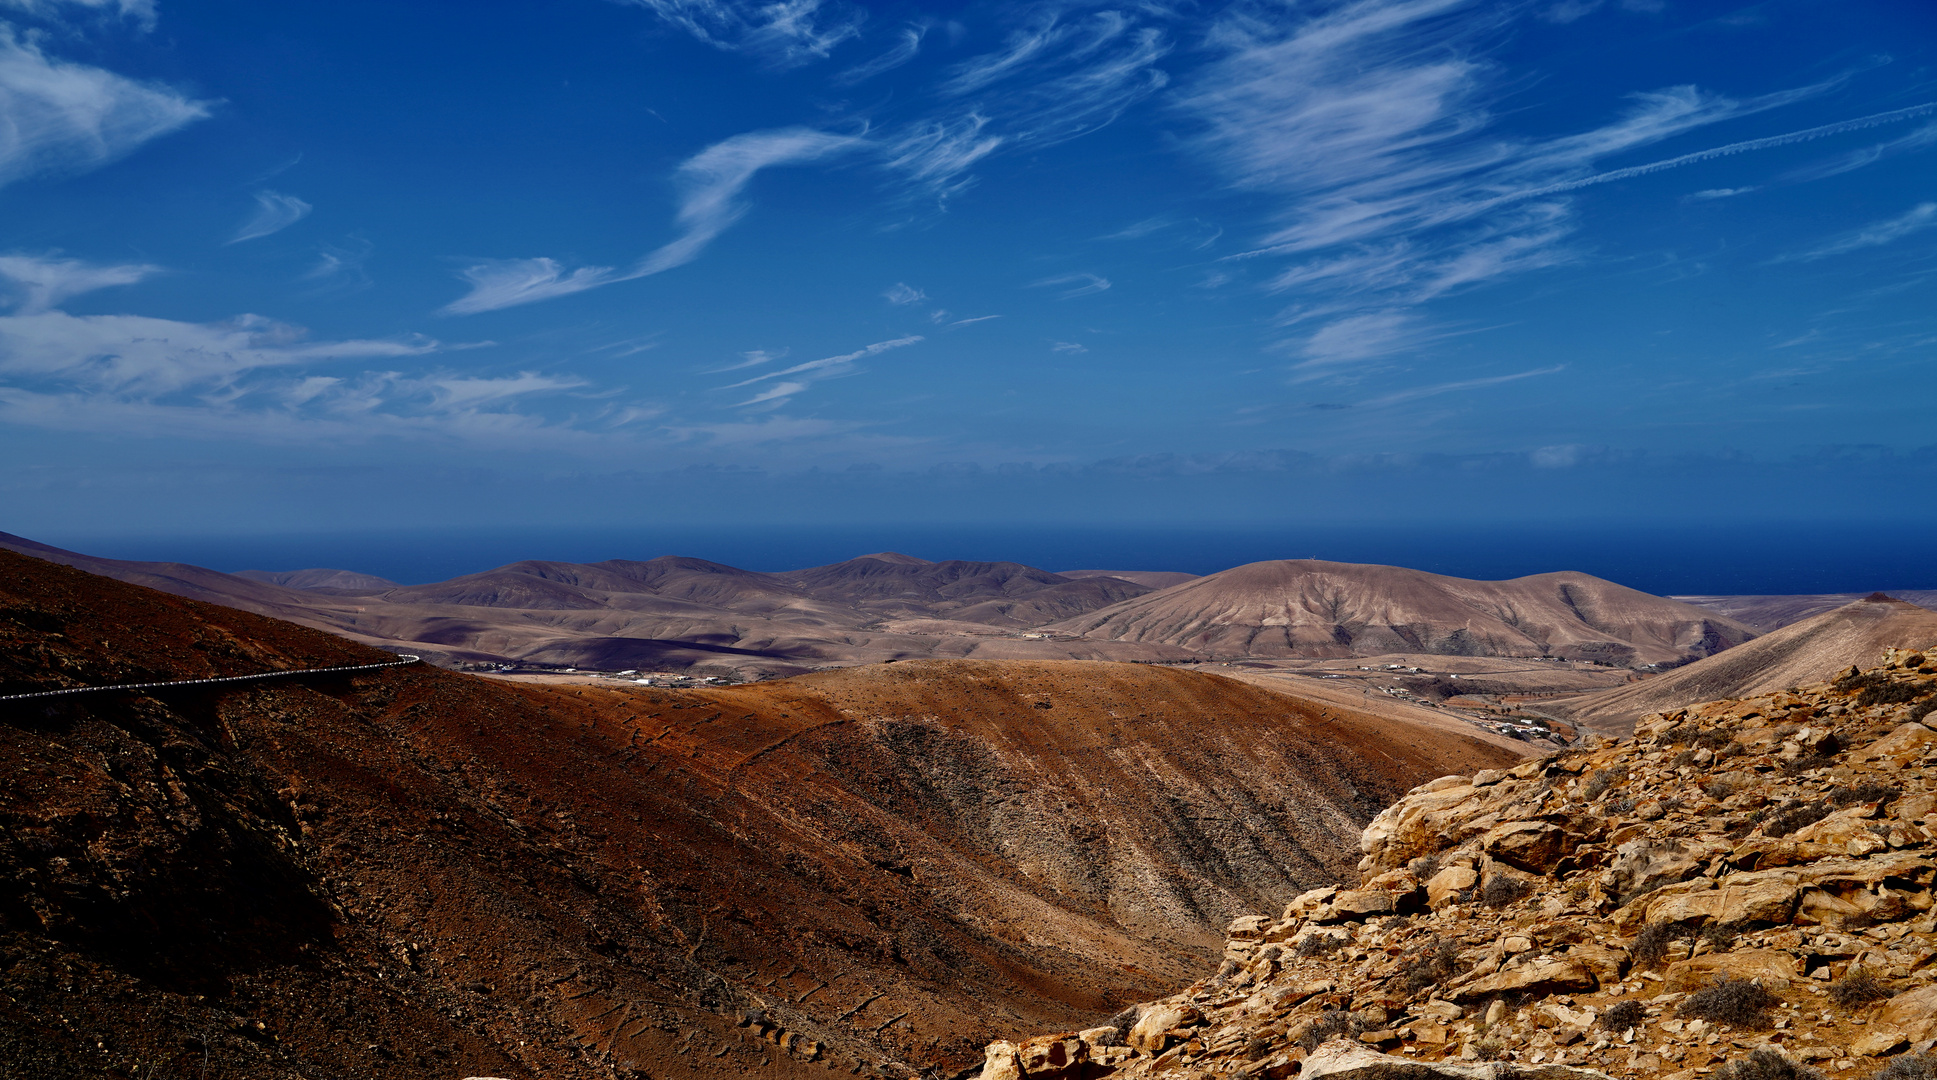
x,y
1747,559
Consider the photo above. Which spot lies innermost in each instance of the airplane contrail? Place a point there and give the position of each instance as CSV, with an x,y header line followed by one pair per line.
x,y
1736,148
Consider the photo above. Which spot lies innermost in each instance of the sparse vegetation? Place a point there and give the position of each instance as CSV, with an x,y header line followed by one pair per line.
x,y
1321,944
1623,1015
1908,1067
1867,792
1615,807
1857,987
1597,784
1890,692
1490,1049
1501,890
1424,866
1719,788
1788,820
1769,1065
1332,1023
1714,739
1720,936
1651,944
1807,763
1742,1003
1434,964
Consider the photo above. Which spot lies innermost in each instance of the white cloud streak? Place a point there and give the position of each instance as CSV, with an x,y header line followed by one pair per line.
x,y
709,186
1085,284
1373,122
709,202
1464,384
274,213
902,52
1917,219
784,33
904,293
140,12
60,117
43,282
813,371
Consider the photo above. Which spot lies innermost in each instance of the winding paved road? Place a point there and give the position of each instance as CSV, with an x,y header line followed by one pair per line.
x,y
403,660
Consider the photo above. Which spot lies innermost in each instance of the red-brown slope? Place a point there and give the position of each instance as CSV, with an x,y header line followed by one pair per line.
x,y
1813,650
420,873
1311,608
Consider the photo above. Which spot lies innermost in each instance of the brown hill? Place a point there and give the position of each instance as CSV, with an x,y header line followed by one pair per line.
x,y
1309,608
1155,579
677,612
414,872
340,580
1805,652
1767,613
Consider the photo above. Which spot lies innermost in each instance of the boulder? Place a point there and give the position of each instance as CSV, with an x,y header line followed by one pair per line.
x,y
1838,829
1762,896
1914,1013
1641,866
1053,1057
1154,1026
1342,1060
1607,962
1444,887
1902,746
1357,905
1880,1042
1546,975
1001,1062
1534,846
1773,968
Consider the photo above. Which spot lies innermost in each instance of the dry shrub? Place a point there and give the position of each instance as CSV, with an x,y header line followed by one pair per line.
x,y
1598,783
1857,987
1718,789
1651,944
1424,866
1806,763
1490,1049
1743,1003
1792,818
1432,965
1714,739
1321,944
1720,936
1617,806
1686,757
1501,890
1866,792
1767,1065
1623,1015
1908,1067
1332,1023
1928,706
1889,692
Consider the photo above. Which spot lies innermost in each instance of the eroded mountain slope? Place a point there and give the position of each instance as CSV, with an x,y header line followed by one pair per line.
x,y
1310,608
1798,654
414,872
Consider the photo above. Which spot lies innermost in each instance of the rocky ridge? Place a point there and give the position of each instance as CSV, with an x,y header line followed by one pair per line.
x,y
1745,888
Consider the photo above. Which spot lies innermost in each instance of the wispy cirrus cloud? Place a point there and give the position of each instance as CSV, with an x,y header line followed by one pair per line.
x,y
274,212
62,117
904,293
1073,285
784,33
259,380
1915,220
140,12
1419,392
42,282
800,376
1376,125
709,185
905,48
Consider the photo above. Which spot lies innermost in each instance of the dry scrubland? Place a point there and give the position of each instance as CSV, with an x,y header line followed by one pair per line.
x,y
1743,890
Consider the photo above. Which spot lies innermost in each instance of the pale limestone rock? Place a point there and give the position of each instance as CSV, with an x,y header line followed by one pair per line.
x,y
1533,846
1773,968
1342,1060
1153,1026
1880,1042
1001,1062
1547,975
1913,1013
1902,746
1641,866
1444,887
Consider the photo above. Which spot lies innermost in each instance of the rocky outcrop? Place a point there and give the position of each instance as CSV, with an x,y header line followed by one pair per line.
x,y
1743,877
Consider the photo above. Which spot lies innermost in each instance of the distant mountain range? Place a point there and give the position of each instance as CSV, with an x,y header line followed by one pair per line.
x,y
691,614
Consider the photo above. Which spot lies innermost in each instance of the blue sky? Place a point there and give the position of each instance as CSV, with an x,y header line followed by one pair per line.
x,y
321,265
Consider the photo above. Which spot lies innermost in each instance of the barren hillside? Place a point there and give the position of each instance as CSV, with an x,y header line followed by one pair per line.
x,y
417,873
1310,608
1805,652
